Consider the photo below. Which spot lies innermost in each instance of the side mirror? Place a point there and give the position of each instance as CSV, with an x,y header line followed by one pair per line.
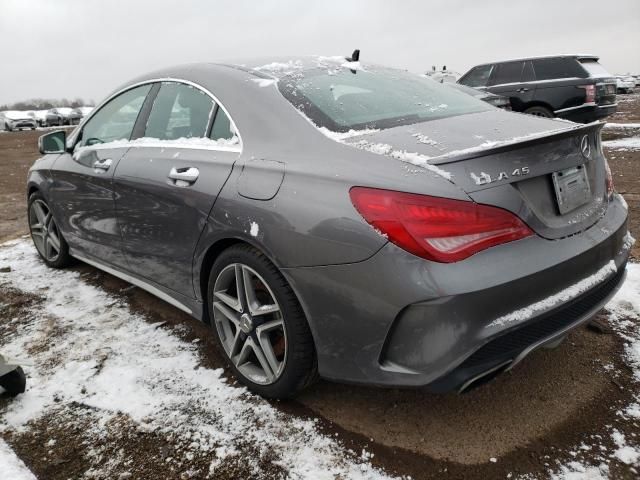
x,y
54,142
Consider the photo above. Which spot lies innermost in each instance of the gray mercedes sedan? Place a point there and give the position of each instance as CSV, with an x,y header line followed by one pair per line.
x,y
331,218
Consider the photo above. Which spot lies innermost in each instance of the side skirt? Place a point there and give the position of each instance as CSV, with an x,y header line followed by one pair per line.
x,y
153,290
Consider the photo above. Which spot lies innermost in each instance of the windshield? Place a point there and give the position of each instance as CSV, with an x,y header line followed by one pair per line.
x,y
373,98
594,68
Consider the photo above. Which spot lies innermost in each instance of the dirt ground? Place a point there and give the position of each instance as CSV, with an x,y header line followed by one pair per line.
x,y
548,405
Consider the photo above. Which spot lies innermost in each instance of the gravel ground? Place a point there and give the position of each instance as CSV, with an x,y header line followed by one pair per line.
x,y
562,412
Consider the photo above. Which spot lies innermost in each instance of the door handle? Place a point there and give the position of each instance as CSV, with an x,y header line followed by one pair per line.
x,y
523,89
185,174
102,164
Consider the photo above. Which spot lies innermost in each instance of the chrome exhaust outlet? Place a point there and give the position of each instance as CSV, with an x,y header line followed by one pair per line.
x,y
484,377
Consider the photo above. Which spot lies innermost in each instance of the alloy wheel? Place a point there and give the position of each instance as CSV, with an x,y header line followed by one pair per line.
x,y
44,231
250,323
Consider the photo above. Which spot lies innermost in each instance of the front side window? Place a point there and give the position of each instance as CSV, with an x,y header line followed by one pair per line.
x,y
116,119
373,98
478,77
510,72
179,111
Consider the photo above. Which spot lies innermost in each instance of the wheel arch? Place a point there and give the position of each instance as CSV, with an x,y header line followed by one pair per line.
x,y
214,250
538,103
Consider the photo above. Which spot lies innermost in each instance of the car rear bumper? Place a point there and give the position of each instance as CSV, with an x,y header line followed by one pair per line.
x,y
588,112
398,320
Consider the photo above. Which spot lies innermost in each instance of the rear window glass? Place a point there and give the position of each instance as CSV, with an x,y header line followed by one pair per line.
x,y
373,98
555,68
510,72
594,68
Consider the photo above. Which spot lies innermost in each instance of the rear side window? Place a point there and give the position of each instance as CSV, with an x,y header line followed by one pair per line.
x,y
179,111
510,72
478,77
115,120
555,68
221,129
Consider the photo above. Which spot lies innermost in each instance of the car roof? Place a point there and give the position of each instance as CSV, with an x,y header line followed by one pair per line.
x,y
579,56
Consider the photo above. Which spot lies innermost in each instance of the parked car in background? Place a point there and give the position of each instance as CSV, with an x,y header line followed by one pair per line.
x,y
625,83
40,117
443,76
304,243
573,87
491,98
57,117
16,120
77,114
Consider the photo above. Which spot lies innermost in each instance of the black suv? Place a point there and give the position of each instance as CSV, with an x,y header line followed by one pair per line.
x,y
575,87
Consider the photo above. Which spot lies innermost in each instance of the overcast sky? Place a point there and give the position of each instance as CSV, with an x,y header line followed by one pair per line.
x,y
71,48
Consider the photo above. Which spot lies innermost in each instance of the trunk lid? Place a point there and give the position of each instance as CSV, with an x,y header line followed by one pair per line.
x,y
509,160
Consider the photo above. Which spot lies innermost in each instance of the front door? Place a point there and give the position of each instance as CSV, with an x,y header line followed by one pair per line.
x,y
82,181
166,185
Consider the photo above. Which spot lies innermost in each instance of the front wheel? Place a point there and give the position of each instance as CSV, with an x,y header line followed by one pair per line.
x,y
47,238
260,326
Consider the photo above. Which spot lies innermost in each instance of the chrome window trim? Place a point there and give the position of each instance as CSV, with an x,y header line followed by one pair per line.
x,y
73,137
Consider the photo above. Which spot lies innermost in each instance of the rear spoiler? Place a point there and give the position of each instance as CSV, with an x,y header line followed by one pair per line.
x,y
518,142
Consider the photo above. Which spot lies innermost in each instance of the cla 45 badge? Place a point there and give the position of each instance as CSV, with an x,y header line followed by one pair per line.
x,y
484,178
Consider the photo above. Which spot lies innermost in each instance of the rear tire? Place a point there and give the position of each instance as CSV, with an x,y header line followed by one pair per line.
x,y
285,360
47,238
539,112
14,382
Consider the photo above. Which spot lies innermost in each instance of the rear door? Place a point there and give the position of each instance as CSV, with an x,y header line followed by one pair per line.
x,y
168,181
512,79
559,82
82,189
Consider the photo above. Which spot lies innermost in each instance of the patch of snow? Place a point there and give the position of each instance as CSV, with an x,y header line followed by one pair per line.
x,y
264,82
560,297
114,361
255,228
409,157
339,136
11,467
625,453
231,144
281,67
424,139
353,66
617,126
623,144
578,471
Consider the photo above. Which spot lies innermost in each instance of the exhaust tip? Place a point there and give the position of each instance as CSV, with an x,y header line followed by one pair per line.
x,y
484,377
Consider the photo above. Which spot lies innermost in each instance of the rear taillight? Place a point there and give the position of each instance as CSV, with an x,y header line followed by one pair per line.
x,y
438,229
609,179
589,93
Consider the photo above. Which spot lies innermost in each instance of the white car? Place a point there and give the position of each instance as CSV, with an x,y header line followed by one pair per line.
x,y
443,76
14,120
625,83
